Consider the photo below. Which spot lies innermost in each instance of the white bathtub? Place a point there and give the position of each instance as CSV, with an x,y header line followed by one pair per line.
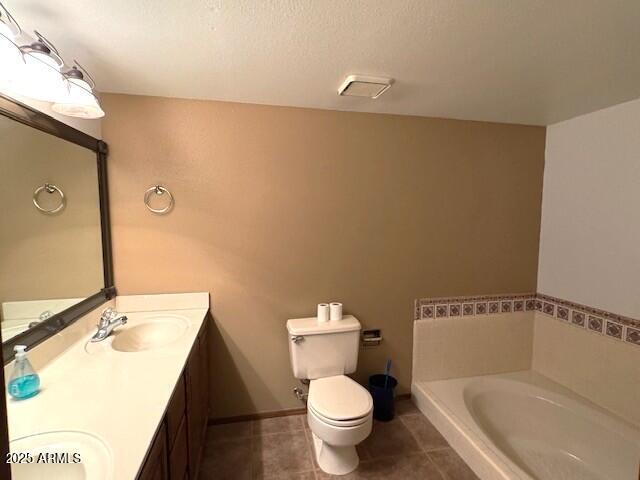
x,y
524,426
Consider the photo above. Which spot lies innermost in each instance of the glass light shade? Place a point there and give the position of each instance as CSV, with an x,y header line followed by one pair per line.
x,y
79,101
41,78
11,60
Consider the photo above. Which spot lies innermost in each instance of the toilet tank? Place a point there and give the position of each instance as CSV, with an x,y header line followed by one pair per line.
x,y
320,350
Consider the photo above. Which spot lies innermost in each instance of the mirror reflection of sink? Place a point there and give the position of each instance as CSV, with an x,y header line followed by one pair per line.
x,y
12,328
64,455
143,334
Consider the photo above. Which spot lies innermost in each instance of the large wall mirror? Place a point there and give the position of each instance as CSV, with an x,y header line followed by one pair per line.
x,y
55,259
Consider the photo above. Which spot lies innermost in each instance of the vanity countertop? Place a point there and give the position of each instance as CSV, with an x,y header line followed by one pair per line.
x,y
119,397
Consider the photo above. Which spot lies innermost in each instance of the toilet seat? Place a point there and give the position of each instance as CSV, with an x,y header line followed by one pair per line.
x,y
338,423
339,401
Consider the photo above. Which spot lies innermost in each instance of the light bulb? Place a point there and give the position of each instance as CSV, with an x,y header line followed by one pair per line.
x,y
79,101
11,60
41,78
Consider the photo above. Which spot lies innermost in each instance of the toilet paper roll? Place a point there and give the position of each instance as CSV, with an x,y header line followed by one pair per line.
x,y
323,312
335,311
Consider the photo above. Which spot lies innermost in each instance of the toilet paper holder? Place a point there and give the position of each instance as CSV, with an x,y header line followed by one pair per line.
x,y
371,338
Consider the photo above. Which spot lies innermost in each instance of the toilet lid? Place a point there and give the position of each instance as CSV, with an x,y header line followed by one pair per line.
x,y
339,398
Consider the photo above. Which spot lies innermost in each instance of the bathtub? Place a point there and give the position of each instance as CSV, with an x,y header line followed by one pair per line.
x,y
524,426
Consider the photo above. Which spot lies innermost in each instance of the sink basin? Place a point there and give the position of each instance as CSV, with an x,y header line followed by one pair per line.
x,y
64,455
143,334
148,335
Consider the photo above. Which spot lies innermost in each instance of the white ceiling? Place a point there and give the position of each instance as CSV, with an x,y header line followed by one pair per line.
x,y
520,61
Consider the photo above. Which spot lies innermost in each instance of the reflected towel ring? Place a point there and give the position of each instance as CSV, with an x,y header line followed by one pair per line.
x,y
158,190
49,188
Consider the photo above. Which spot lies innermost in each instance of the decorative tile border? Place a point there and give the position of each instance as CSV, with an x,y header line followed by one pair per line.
x,y
475,305
581,316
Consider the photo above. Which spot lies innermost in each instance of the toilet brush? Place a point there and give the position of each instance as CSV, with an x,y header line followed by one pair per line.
x,y
387,369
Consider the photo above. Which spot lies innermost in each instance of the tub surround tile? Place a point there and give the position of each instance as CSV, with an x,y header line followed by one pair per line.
x,y
613,330
598,367
472,345
548,309
592,319
633,335
481,308
595,324
428,311
494,307
506,306
578,318
562,313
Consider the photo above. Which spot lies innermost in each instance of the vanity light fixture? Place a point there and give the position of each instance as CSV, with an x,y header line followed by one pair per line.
x,y
10,54
34,68
80,101
41,75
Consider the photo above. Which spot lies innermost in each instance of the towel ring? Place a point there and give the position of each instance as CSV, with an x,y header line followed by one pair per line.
x,y
49,188
158,190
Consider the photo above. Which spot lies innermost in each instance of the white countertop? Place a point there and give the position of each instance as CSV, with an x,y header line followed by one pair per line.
x,y
119,397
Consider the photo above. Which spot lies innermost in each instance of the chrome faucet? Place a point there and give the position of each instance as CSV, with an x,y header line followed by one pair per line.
x,y
109,320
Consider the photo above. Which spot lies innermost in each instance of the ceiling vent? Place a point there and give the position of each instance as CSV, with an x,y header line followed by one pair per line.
x,y
364,86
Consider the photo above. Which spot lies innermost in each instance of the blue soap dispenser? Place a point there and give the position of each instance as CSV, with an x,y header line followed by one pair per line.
x,y
24,381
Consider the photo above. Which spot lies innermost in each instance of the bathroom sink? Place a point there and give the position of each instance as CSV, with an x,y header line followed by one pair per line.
x,y
148,335
143,334
63,455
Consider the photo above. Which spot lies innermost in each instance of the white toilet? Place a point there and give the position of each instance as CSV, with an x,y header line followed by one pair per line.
x,y
339,410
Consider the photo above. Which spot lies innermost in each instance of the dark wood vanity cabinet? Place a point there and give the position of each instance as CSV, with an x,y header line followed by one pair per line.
x,y
183,430
197,378
156,465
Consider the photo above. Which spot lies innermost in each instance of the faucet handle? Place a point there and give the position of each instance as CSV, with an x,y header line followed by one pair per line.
x,y
107,315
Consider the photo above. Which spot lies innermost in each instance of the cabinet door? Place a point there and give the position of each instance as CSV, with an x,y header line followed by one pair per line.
x,y
197,401
179,457
155,466
176,411
204,376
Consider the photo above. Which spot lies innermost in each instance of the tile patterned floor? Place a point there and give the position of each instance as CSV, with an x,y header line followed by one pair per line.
x,y
407,448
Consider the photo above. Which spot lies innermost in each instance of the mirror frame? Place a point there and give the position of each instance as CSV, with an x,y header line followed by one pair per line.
x,y
26,115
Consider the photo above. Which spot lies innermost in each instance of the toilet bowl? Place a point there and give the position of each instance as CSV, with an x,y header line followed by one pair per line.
x,y
339,413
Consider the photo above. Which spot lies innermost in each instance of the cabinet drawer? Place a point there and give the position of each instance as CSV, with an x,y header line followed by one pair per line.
x,y
179,456
175,411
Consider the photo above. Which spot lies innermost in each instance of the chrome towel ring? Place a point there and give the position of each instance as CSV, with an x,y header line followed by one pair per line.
x,y
51,189
158,190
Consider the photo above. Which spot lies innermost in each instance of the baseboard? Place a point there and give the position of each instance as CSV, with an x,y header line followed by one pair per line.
x,y
275,413
258,416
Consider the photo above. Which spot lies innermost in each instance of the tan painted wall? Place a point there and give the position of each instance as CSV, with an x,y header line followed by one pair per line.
x,y
47,256
279,208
